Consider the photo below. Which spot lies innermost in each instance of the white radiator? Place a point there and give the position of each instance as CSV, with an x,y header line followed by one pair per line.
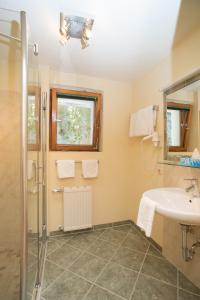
x,y
77,208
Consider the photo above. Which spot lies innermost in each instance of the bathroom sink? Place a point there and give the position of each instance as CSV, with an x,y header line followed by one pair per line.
x,y
177,204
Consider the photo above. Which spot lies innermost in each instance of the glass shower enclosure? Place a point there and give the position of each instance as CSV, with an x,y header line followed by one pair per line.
x,y
22,166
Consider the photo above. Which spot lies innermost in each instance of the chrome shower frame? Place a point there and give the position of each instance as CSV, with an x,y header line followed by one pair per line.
x,y
24,43
24,82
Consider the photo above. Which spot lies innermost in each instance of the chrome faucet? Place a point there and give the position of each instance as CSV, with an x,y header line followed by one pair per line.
x,y
193,187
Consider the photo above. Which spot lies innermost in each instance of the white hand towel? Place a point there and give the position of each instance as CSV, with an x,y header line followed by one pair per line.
x,y
90,168
146,215
65,168
30,169
142,122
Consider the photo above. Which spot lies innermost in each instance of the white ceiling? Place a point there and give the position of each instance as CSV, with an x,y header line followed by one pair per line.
x,y
129,36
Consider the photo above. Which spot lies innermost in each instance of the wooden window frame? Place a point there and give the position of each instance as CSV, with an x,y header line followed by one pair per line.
x,y
54,93
36,91
185,133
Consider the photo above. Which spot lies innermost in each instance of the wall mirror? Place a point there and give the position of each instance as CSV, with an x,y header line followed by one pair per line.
x,y
181,117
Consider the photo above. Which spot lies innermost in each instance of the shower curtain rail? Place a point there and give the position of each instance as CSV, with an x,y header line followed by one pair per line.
x,y
34,46
9,9
10,37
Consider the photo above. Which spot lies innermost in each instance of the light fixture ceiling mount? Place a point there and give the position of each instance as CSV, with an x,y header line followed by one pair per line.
x,y
75,27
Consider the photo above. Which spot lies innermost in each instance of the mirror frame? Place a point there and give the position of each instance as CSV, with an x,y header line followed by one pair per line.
x,y
180,84
184,142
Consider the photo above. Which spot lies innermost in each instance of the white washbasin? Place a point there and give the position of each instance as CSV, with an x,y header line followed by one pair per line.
x,y
175,203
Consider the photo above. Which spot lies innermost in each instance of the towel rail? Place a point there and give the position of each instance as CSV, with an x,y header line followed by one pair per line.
x,y
76,161
58,190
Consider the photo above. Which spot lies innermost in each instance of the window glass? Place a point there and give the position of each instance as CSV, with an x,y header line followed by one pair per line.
x,y
32,125
75,119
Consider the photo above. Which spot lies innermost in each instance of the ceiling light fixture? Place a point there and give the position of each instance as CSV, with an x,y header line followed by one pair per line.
x,y
75,27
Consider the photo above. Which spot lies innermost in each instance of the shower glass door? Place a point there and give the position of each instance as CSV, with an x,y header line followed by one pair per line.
x,y
36,179
22,168
34,195
10,153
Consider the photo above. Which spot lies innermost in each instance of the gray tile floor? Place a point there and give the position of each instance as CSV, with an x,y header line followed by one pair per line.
x,y
111,264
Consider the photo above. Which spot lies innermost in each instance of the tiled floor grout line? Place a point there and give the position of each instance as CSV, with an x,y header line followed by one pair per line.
x,y
30,266
111,292
32,253
149,276
81,254
129,248
78,275
119,245
160,280
98,237
85,250
154,255
85,279
143,235
130,269
177,284
139,251
67,269
114,227
105,267
60,246
181,288
92,284
64,269
189,292
134,287
44,290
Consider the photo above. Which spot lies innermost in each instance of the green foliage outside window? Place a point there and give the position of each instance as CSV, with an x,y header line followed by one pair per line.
x,y
31,121
74,122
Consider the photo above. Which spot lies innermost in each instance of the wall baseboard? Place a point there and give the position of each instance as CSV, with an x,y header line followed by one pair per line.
x,y
104,226
94,227
148,238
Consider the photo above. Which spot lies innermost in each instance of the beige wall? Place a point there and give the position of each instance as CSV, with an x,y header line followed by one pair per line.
x,y
127,167
194,132
10,200
113,189
147,173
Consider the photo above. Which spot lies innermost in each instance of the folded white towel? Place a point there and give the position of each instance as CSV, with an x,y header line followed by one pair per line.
x,y
90,168
65,168
30,169
146,215
142,122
